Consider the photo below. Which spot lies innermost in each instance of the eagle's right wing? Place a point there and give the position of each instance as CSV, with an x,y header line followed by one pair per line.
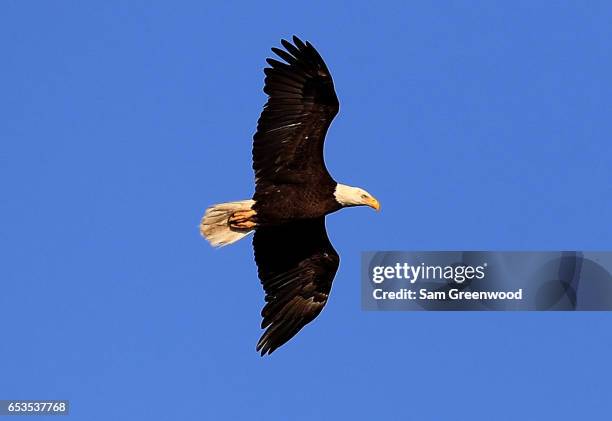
x,y
296,265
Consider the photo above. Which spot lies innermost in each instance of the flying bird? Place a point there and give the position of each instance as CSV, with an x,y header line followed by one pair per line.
x,y
293,193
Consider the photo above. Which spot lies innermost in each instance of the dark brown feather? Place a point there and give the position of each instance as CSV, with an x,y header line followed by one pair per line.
x,y
296,265
302,103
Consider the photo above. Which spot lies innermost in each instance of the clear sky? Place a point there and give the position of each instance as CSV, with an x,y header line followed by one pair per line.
x,y
479,125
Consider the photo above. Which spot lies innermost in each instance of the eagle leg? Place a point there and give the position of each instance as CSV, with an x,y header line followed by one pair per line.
x,y
242,219
248,225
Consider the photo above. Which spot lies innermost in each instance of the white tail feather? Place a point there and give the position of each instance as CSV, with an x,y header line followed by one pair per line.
x,y
214,225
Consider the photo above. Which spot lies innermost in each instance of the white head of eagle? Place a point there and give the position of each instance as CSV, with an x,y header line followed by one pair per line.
x,y
354,196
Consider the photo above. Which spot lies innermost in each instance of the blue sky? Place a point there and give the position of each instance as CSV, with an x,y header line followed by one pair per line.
x,y
478,125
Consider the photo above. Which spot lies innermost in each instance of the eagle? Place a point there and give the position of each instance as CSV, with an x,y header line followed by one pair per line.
x,y
294,192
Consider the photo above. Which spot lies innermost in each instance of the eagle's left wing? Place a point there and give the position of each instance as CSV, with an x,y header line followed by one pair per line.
x,y
296,265
288,145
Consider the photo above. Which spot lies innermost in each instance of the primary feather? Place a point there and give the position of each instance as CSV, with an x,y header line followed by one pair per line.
x,y
288,144
296,265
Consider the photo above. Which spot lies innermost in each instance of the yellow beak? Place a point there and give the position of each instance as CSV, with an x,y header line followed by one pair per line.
x,y
373,203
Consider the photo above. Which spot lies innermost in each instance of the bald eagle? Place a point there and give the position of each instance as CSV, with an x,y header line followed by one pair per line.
x,y
293,192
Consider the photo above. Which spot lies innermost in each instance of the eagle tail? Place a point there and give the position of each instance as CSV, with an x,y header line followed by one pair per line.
x,y
216,226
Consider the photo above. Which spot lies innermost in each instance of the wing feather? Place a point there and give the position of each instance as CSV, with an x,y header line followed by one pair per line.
x,y
291,130
296,265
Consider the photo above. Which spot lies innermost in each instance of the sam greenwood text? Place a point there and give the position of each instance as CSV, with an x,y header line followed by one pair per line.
x,y
457,274
452,294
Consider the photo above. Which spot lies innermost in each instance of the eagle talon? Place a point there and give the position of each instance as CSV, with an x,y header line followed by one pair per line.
x,y
242,220
240,216
247,225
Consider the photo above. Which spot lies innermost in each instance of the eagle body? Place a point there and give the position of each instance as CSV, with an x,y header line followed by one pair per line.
x,y
278,204
296,262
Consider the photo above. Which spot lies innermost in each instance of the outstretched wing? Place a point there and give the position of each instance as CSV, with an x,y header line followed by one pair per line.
x,y
296,265
288,145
